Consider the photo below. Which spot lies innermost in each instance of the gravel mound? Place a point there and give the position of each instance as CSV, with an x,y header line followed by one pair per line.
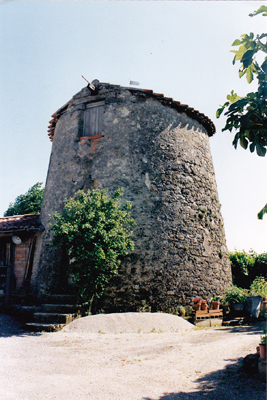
x,y
132,322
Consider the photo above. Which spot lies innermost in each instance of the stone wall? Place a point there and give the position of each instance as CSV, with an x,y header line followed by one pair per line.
x,y
158,151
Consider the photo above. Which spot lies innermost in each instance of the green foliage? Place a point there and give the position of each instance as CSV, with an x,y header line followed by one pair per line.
x,y
260,266
247,266
264,337
28,203
262,212
262,10
241,265
258,287
248,115
235,295
223,301
145,307
94,230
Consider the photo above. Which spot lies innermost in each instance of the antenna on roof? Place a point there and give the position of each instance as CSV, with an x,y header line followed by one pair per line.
x,y
134,83
91,86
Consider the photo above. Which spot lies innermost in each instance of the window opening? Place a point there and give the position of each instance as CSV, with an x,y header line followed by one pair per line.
x,y
93,119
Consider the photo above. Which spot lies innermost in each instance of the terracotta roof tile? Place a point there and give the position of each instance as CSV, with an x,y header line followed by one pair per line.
x,y
20,222
191,112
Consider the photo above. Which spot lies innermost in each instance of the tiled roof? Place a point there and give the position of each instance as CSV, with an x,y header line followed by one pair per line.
x,y
191,112
20,222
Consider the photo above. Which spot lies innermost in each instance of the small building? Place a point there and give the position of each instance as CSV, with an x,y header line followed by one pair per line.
x,y
18,237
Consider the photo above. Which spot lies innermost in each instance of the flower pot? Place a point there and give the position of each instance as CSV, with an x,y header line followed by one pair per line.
x,y
237,306
263,304
215,305
225,307
204,305
263,351
253,305
197,306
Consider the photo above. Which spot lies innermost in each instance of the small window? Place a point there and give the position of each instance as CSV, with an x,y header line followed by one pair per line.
x,y
93,119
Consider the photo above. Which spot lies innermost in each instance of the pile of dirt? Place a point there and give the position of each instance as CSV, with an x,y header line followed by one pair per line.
x,y
132,322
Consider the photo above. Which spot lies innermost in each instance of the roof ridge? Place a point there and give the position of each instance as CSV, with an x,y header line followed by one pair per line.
x,y
168,101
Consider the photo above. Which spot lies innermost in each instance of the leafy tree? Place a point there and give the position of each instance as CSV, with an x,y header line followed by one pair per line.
x,y
248,115
94,230
260,266
28,203
241,265
247,266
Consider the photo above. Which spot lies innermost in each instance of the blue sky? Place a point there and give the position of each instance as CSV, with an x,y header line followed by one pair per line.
x,y
178,48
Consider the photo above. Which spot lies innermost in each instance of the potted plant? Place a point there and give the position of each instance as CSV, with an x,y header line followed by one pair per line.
x,y
258,290
224,305
236,297
215,302
197,304
204,305
263,344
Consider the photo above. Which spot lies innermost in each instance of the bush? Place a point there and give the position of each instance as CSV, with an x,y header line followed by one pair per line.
x,y
235,294
259,287
94,230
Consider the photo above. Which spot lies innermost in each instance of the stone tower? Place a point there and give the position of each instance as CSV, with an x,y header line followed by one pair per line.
x,y
157,149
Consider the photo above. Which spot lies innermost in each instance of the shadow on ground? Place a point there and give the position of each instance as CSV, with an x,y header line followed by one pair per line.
x,y
10,326
230,383
255,328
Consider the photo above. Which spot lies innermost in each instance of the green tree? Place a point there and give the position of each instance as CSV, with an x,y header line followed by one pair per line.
x,y
247,266
28,203
241,265
248,115
94,230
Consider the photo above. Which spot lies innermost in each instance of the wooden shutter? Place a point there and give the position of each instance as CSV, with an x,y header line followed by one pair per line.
x,y
93,119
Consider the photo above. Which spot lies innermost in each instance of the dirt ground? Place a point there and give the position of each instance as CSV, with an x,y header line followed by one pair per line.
x,y
128,357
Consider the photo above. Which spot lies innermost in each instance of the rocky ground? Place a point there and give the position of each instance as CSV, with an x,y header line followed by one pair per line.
x,y
129,356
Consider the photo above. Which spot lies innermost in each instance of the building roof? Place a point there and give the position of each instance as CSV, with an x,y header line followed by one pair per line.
x,y
20,223
144,93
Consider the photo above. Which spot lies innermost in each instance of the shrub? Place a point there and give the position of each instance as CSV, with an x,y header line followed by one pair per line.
x,y
258,287
94,230
235,294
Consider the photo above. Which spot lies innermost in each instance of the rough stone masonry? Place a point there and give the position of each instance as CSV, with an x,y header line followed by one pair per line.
x,y
158,151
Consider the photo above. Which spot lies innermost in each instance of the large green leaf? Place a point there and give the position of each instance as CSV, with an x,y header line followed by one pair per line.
x,y
252,147
247,58
262,9
238,103
249,74
236,42
244,142
239,53
233,97
262,212
261,151
264,66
